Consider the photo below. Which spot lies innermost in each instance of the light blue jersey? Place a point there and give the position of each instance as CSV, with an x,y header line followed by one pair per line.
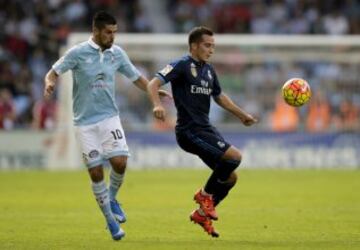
x,y
93,73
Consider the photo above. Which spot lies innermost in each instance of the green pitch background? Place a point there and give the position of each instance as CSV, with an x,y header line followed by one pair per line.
x,y
268,209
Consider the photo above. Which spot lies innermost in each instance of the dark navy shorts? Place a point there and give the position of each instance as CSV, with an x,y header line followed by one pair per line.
x,y
207,143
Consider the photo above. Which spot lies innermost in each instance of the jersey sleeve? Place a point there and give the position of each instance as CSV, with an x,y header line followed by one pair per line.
x,y
127,68
66,62
216,85
170,72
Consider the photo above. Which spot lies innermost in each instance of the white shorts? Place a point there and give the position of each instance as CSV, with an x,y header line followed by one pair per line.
x,y
101,141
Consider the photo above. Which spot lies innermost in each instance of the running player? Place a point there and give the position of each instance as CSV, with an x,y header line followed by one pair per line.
x,y
96,116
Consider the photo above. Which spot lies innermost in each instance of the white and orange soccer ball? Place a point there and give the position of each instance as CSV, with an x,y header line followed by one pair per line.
x,y
296,92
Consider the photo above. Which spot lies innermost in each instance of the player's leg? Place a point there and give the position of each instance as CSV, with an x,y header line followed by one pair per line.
x,y
222,158
220,188
102,197
229,162
116,150
117,172
194,143
224,178
205,196
88,139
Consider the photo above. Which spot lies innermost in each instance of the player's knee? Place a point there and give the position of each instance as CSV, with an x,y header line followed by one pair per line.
x,y
237,156
234,161
96,174
119,163
227,168
232,154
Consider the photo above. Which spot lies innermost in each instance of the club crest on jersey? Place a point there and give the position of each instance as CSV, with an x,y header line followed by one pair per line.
x,y
93,154
166,70
193,70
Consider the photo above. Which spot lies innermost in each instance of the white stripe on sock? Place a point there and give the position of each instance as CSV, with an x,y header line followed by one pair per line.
x,y
102,197
116,181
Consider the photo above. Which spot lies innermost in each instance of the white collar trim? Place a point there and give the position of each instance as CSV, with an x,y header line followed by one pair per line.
x,y
97,47
93,44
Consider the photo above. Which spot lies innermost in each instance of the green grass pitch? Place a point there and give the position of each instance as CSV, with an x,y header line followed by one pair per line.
x,y
268,209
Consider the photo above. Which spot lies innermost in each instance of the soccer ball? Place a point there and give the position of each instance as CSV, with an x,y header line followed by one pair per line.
x,y
296,92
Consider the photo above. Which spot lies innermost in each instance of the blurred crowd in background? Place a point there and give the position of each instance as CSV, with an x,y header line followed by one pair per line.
x,y
33,32
268,16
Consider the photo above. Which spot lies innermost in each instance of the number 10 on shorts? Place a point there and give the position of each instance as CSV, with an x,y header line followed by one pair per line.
x,y
117,134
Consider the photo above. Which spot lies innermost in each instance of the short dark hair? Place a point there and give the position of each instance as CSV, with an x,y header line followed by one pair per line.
x,y
103,18
196,34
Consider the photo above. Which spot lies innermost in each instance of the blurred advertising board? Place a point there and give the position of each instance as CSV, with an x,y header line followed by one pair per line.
x,y
259,149
42,150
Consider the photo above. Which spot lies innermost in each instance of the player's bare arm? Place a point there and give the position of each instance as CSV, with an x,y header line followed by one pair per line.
x,y
142,83
226,103
153,90
50,81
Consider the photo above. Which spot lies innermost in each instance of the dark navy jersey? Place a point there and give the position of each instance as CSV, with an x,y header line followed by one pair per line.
x,y
192,83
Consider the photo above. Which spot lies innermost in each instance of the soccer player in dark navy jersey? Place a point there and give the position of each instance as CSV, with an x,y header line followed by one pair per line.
x,y
193,82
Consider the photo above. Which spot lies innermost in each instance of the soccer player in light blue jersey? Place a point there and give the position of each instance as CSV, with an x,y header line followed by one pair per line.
x,y
96,117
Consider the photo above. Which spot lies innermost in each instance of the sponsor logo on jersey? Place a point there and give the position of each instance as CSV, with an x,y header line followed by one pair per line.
x,y
203,89
99,85
194,89
193,70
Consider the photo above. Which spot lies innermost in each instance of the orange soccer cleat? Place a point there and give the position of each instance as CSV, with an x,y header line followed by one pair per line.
x,y
206,204
204,222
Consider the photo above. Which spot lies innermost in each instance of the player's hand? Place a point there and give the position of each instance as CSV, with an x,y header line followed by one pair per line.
x,y
249,120
159,112
49,89
164,93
